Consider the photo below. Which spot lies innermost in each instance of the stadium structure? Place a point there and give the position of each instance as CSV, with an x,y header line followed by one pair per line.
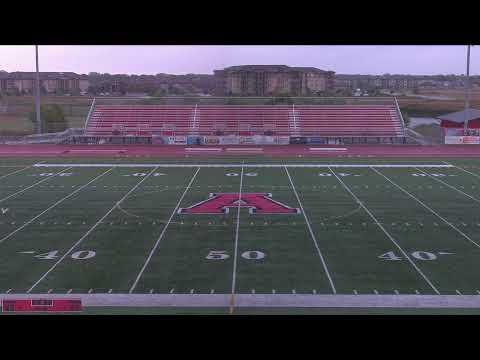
x,y
212,122
136,210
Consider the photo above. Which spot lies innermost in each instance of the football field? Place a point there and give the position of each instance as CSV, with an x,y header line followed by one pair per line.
x,y
230,227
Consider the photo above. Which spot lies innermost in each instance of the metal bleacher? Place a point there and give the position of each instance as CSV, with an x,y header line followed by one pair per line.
x,y
323,120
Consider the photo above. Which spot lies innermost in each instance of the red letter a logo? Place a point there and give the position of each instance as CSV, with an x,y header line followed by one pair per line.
x,y
257,203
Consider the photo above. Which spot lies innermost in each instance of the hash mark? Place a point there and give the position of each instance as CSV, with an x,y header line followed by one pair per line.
x,y
293,291
253,291
191,291
396,292
417,292
49,291
171,291
90,291
69,291
8,291
314,292
458,292
355,292
110,291
273,291
212,291
375,291
151,291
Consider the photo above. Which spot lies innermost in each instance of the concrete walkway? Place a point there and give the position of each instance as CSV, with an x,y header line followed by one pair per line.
x,y
265,300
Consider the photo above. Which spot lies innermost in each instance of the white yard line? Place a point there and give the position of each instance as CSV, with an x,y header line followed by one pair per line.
x,y
235,251
162,233
428,208
91,229
312,235
460,168
33,185
359,202
52,206
239,165
451,186
15,172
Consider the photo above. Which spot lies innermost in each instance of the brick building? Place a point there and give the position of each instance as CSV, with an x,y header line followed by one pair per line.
x,y
51,82
347,81
269,80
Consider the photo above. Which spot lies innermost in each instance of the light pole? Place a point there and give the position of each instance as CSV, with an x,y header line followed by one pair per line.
x,y
37,95
467,93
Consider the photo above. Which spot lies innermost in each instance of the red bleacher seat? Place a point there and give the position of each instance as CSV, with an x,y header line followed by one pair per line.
x,y
302,120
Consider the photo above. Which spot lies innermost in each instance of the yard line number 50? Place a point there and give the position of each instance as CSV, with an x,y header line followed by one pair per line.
x,y
223,255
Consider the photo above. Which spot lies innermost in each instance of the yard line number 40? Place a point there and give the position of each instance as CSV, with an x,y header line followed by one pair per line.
x,y
78,255
419,255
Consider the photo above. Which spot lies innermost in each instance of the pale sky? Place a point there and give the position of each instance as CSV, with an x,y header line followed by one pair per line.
x,y
202,59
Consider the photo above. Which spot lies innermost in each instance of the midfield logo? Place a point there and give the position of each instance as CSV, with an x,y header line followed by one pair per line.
x,y
257,203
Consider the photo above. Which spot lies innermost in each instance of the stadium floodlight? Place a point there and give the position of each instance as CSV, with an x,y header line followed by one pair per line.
x,y
467,94
37,95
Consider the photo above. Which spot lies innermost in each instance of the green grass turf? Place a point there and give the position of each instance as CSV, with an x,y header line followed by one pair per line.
x,y
349,240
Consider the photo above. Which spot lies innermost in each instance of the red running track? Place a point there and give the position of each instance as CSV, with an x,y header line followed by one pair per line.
x,y
452,151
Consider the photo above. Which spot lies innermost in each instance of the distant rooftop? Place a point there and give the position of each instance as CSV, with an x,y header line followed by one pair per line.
x,y
273,68
24,75
459,116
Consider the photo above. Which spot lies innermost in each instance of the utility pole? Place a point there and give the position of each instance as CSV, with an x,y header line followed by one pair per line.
x,y
37,95
467,93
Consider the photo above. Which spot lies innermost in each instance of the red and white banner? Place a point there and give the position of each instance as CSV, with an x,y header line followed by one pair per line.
x,y
458,140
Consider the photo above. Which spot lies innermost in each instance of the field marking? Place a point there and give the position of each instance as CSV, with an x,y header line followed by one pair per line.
x,y
460,168
239,165
15,172
235,251
312,235
451,186
52,206
147,261
91,229
35,184
428,208
386,233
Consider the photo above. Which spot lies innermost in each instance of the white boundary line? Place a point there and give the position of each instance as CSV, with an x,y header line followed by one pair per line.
x,y
235,251
52,206
428,208
359,202
34,184
239,165
162,233
451,186
312,235
91,229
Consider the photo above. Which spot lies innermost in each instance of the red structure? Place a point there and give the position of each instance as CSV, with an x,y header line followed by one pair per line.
x,y
453,123
42,305
246,120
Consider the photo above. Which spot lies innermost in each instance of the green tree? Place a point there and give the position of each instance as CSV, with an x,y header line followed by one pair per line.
x,y
52,116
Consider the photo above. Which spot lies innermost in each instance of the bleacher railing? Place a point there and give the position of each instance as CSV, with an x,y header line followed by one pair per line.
x,y
90,113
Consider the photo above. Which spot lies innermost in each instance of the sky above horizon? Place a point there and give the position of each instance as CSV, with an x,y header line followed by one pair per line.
x,y
203,59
